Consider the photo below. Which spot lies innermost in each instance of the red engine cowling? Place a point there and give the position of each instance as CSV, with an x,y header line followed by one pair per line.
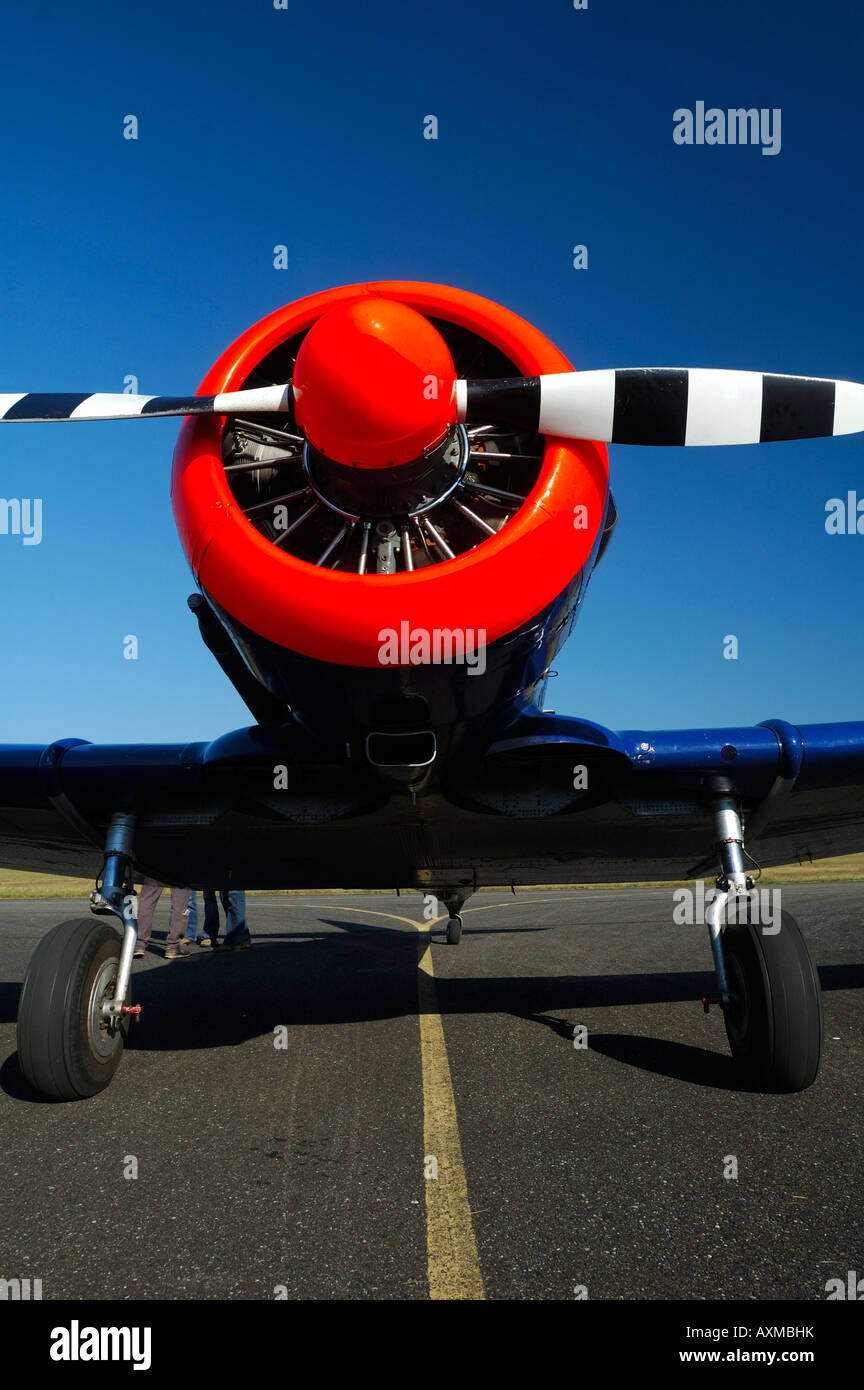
x,y
302,590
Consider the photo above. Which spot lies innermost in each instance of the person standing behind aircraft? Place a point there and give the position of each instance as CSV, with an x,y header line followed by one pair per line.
x,y
192,922
151,892
237,935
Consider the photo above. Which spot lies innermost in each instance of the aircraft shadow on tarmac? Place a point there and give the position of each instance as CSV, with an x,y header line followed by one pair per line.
x,y
368,973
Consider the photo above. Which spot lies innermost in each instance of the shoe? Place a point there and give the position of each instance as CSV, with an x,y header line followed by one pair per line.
x,y
205,941
176,952
139,951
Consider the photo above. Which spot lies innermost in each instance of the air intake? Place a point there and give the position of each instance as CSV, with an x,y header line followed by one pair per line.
x,y
411,751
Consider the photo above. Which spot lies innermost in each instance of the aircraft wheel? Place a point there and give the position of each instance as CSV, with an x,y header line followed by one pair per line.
x,y
774,1020
454,930
66,1050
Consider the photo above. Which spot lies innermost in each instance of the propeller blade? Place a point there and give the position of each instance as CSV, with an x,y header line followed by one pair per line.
x,y
38,409
669,405
633,405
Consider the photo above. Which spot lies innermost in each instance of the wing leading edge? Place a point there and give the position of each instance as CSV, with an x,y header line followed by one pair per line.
x,y
553,800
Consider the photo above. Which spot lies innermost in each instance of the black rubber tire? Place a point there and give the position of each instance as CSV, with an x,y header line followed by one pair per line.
x,y
454,930
775,1025
56,1050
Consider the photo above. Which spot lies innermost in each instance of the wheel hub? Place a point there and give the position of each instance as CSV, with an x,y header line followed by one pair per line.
x,y
102,1028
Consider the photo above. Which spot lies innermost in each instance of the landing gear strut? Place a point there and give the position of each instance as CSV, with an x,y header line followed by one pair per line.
x,y
75,1010
454,901
768,987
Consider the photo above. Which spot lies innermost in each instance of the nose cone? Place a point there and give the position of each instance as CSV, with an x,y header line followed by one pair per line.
x,y
374,384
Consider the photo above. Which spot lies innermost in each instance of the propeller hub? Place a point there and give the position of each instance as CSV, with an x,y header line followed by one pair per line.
x,y
374,384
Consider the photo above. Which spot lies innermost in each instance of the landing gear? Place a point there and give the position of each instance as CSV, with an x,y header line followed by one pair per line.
x,y
454,899
68,1048
774,1015
769,989
75,1009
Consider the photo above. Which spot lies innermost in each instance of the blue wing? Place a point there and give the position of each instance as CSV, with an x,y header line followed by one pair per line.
x,y
551,800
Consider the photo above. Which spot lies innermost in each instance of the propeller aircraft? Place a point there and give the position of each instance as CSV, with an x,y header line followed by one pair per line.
x,y
392,497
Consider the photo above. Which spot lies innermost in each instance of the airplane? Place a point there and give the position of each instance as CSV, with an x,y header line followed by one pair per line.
x,y
392,497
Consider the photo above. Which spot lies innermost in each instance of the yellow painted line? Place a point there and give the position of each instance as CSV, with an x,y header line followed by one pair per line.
x,y
369,912
451,1246
496,907
452,1261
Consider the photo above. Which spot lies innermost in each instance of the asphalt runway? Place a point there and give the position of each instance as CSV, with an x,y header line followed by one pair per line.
x,y
306,1170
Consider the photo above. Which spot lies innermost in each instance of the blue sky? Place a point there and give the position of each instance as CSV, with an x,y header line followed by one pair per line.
x,y
304,126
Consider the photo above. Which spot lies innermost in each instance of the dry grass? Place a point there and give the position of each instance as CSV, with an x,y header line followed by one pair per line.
x,y
846,868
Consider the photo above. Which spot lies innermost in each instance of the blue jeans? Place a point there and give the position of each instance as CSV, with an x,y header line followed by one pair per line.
x,y
192,917
234,905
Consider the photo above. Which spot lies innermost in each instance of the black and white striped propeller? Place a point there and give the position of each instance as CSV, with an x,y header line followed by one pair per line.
x,y
634,405
32,408
669,405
